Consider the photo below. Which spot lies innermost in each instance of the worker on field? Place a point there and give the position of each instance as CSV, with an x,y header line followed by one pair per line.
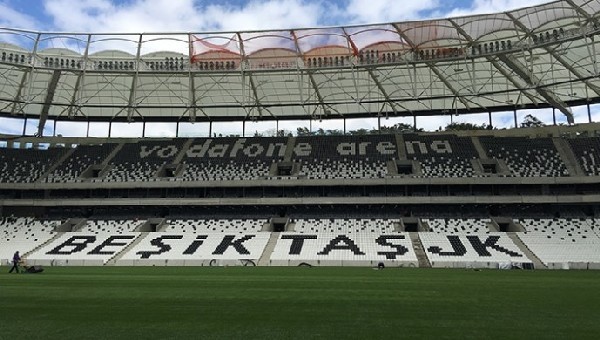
x,y
16,261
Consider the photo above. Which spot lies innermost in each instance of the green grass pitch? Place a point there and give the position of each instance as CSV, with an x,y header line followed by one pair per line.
x,y
297,303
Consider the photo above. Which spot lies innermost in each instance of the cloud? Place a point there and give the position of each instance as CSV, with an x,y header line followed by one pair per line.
x,y
492,6
370,11
10,17
180,16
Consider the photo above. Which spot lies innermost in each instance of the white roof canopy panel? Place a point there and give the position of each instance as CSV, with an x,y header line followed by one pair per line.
x,y
532,57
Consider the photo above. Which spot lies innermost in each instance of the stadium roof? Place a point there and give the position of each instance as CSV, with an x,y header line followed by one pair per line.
x,y
543,56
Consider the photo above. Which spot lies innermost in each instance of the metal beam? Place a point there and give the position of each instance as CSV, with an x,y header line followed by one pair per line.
x,y
29,80
383,91
316,88
580,10
48,101
255,94
521,71
435,70
192,96
495,63
559,58
133,91
17,106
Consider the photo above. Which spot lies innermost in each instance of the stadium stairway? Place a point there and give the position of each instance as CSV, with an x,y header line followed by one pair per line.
x,y
419,250
479,148
289,150
114,260
568,157
265,258
55,165
537,263
401,147
112,154
57,235
182,153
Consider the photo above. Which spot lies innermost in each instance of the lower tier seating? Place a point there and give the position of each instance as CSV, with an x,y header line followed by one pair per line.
x,y
110,226
557,243
215,226
563,243
452,225
471,250
344,225
343,249
82,248
202,249
23,235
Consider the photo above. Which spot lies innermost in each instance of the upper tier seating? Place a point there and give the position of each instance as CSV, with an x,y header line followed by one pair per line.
x,y
220,159
587,151
442,155
26,165
458,226
81,159
215,226
562,240
141,161
526,157
344,225
345,157
24,235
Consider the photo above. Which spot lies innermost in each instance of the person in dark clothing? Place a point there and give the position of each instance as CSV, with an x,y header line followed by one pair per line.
x,y
16,260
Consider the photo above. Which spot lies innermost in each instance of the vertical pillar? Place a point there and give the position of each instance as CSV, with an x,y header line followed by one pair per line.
x,y
554,116
24,125
143,129
589,113
515,116
210,129
414,123
490,119
109,129
87,132
177,129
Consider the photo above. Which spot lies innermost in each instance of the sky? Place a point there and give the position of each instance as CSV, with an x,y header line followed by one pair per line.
x,y
135,16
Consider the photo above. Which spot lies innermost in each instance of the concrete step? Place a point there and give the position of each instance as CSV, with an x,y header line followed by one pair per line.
x,y
419,251
537,263
113,260
266,255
